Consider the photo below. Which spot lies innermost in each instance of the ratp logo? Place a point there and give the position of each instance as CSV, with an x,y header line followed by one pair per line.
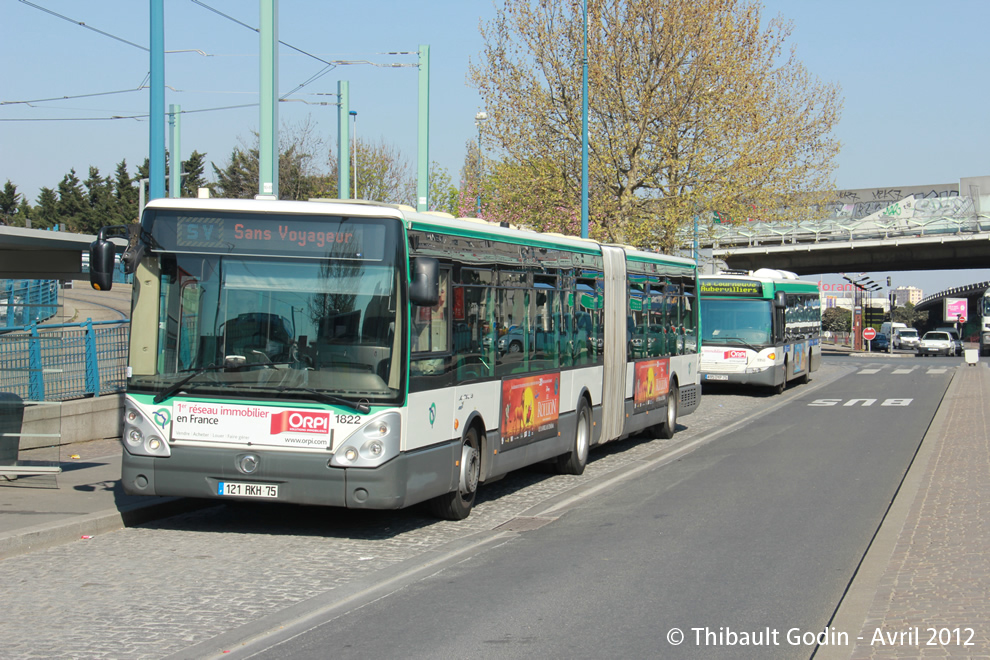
x,y
162,417
433,414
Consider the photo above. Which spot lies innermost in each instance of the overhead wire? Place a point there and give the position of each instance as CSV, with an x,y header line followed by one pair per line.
x,y
82,24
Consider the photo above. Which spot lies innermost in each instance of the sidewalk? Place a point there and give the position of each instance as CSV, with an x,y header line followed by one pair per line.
x,y
925,569
88,500
922,589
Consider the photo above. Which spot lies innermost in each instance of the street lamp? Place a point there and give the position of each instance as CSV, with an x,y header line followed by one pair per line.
x,y
478,120
353,113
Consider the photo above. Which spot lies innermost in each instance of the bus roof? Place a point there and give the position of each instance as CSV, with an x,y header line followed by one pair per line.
x,y
468,227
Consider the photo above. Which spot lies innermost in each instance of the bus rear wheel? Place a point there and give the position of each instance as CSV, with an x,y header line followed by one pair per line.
x,y
665,429
575,460
457,504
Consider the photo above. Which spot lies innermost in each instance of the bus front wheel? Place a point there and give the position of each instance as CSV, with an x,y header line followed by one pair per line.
x,y
574,461
457,504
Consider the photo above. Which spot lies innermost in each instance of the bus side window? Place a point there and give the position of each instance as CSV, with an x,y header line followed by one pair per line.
x,y
430,324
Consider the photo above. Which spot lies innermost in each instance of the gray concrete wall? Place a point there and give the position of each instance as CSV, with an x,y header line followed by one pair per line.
x,y
69,422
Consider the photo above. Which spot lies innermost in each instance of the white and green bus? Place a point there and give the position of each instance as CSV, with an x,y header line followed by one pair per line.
x,y
762,328
347,354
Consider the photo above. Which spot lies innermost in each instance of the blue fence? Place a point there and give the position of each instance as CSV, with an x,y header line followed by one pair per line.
x,y
23,302
64,361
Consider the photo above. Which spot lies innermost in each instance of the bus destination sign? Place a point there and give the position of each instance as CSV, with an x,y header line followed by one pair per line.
x,y
305,236
747,288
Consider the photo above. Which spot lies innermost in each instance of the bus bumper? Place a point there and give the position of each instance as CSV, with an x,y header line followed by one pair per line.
x,y
766,377
302,478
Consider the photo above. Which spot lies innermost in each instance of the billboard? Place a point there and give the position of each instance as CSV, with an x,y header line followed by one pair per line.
x,y
955,310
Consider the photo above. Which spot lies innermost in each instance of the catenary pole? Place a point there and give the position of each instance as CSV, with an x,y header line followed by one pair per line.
x,y
343,140
268,145
584,130
423,144
156,110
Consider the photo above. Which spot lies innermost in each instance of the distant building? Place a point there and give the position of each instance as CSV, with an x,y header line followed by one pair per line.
x,y
907,294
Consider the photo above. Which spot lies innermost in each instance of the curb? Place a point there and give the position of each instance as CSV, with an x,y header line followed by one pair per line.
x,y
51,534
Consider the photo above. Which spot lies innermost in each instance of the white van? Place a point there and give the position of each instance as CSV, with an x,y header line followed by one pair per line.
x,y
888,328
905,338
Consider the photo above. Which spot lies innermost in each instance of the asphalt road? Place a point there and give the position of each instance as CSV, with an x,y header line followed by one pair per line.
x,y
752,537
755,514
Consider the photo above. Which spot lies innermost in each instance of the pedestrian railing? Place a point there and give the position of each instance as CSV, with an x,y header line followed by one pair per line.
x,y
64,361
27,301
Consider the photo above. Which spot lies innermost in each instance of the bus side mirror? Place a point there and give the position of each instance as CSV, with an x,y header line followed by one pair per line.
x,y
780,300
101,253
425,287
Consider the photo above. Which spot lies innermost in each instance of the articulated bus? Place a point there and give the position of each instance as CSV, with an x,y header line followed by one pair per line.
x,y
985,323
348,354
761,328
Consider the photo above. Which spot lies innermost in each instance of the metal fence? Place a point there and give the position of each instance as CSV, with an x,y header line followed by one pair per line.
x,y
64,361
27,301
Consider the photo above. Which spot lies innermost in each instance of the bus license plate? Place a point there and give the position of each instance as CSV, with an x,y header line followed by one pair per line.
x,y
716,377
238,489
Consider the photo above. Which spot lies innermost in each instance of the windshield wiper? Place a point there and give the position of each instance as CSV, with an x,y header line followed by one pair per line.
x,y
323,397
173,389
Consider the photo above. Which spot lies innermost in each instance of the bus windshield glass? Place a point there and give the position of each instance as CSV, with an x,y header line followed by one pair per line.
x,y
736,322
315,323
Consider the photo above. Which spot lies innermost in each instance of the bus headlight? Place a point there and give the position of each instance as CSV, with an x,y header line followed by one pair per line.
x,y
141,436
374,443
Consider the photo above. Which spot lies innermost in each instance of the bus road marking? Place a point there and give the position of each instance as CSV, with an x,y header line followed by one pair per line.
x,y
864,403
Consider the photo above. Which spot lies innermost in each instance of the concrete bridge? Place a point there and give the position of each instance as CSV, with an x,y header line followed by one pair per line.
x,y
916,232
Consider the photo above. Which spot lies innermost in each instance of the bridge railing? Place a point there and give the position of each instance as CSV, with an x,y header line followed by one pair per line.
x,y
908,218
64,361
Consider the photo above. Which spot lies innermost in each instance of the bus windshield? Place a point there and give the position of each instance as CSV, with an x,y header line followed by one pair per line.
x,y
736,322
279,326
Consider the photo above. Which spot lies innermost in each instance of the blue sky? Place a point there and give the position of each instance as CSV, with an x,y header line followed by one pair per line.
x,y
910,73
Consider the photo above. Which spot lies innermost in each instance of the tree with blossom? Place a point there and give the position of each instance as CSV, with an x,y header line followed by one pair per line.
x,y
695,106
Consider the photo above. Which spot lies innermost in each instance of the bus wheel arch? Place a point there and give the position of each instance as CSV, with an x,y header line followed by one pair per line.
x,y
457,504
575,460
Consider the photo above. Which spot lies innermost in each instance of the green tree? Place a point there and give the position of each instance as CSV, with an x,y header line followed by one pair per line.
x,y
9,201
101,204
837,319
695,106
45,214
24,213
71,203
239,177
193,178
126,195
910,317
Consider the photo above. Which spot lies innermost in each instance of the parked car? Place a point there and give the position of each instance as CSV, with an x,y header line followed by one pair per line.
x,y
880,343
906,338
937,343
